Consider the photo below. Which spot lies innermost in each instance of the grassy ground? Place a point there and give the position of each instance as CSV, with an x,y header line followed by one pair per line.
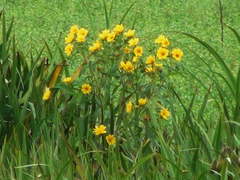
x,y
36,21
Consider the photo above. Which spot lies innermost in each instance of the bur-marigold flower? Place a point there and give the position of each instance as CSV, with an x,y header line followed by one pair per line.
x,y
82,32
104,34
68,49
126,66
129,107
67,80
163,41
118,29
111,37
129,34
133,41
80,38
95,47
135,59
150,60
142,101
69,38
74,29
177,54
129,67
150,69
162,53
46,94
98,130
127,50
138,51
86,89
164,113
111,139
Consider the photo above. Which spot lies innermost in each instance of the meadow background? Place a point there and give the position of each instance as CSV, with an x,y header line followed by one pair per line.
x,y
199,143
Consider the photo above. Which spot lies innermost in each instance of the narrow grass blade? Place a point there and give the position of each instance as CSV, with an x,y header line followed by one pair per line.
x,y
127,11
218,58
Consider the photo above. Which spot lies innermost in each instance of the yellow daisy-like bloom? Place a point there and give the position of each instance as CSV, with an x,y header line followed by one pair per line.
x,y
150,60
129,34
127,50
138,51
118,29
80,38
164,113
82,32
162,53
163,41
68,49
99,130
74,29
104,34
86,89
70,37
135,59
67,80
142,101
177,54
111,139
150,69
46,94
111,37
133,42
95,47
127,66
129,107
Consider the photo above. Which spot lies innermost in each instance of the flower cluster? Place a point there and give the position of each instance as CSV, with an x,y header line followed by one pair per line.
x,y
77,35
120,74
100,130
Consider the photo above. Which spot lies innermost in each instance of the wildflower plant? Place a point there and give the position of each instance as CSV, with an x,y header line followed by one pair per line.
x,y
117,80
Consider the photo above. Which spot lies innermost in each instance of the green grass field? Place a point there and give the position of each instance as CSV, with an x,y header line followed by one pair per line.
x,y
53,139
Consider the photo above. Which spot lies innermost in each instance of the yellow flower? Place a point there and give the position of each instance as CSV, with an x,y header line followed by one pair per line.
x,y
74,29
142,101
162,53
82,32
98,130
104,34
129,107
129,34
46,94
118,29
69,49
138,51
86,89
111,139
177,54
67,80
69,38
126,66
135,59
129,67
127,50
95,47
150,60
133,41
162,40
150,69
111,37
164,113
80,38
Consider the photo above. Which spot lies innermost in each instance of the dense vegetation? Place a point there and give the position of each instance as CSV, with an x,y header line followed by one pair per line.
x,y
119,89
